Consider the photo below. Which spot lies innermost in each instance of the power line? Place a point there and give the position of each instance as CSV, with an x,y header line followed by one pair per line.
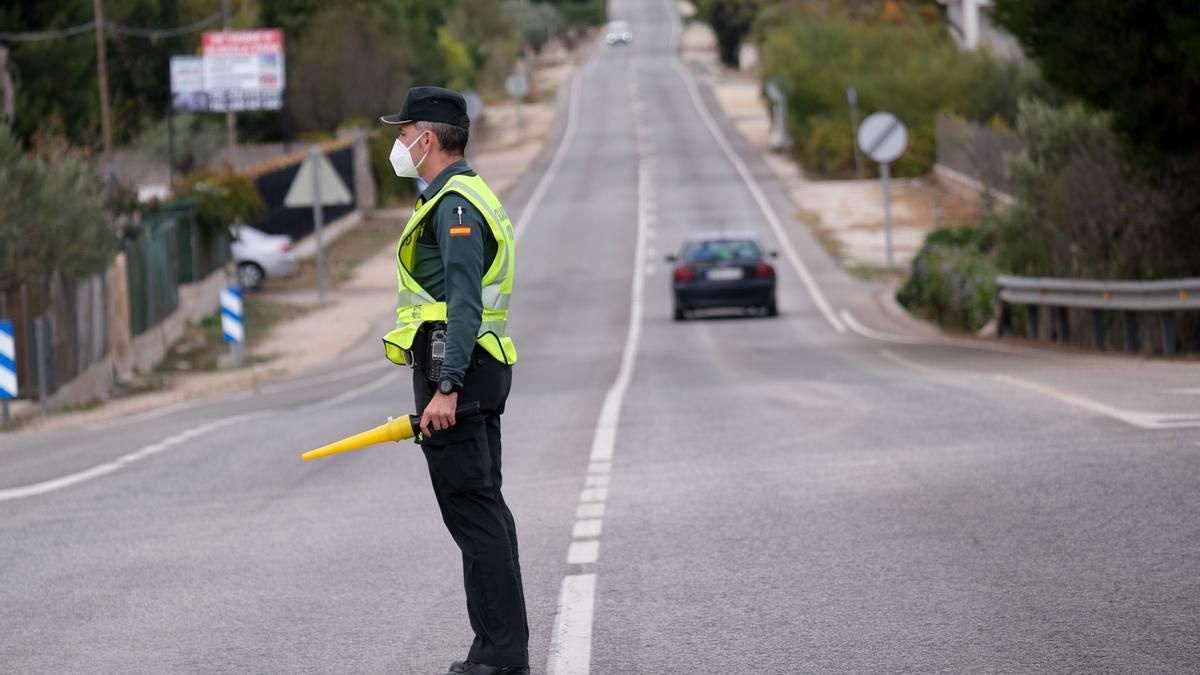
x,y
158,33
111,27
38,36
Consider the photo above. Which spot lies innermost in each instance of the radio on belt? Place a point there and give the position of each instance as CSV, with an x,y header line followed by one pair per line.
x,y
437,353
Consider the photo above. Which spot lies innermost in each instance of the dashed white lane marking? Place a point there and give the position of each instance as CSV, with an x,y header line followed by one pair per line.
x,y
593,495
588,528
590,510
596,481
571,644
583,552
571,652
768,211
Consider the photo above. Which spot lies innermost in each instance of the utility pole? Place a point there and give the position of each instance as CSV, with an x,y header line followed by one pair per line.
x,y
230,117
102,63
7,102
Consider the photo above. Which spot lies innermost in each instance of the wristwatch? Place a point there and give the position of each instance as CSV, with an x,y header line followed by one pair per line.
x,y
447,387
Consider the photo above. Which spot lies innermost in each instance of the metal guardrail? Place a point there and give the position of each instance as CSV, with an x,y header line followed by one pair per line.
x,y
1164,297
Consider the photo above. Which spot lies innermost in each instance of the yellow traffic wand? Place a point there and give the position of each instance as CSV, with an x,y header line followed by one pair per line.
x,y
395,430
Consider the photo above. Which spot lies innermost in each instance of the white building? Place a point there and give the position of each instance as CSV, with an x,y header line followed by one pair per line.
x,y
971,25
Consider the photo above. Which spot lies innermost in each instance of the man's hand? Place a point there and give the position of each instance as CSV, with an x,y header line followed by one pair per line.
x,y
439,412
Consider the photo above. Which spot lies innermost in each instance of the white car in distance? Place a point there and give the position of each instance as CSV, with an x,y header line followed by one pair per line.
x,y
260,256
618,32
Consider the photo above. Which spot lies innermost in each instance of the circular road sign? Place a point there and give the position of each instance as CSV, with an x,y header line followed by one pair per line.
x,y
882,137
517,85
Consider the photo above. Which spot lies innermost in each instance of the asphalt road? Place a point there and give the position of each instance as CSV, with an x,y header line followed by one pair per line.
x,y
833,490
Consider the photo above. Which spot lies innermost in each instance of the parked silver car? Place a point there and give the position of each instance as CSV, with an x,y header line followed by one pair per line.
x,y
260,256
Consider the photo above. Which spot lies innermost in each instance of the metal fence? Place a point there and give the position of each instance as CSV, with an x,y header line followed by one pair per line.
x,y
199,251
1103,303
977,152
273,179
59,324
152,256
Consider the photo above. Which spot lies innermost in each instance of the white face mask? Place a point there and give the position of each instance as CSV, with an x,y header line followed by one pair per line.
x,y
402,162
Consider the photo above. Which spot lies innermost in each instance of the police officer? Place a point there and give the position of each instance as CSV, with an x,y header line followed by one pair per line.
x,y
455,267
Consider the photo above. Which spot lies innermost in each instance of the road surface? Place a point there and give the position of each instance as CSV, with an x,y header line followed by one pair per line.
x,y
832,490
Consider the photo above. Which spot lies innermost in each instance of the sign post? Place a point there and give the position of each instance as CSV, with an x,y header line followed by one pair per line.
x,y
517,86
852,98
232,324
779,119
317,185
883,137
8,368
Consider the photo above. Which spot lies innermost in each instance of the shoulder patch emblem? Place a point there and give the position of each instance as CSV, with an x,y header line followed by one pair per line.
x,y
460,231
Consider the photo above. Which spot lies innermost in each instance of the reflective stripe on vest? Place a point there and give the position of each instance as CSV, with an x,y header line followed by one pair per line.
x,y
416,306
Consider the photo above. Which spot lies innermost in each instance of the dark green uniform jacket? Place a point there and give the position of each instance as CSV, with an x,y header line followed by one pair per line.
x,y
451,267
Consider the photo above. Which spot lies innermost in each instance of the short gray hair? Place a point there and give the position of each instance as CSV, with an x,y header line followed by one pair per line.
x,y
452,138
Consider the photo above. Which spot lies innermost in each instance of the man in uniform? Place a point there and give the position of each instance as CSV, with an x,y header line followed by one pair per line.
x,y
455,267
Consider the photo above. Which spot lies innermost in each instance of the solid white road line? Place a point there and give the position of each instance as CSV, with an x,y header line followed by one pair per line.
x,y
571,652
120,462
1138,418
919,367
176,439
878,334
941,341
539,192
768,212
353,393
291,385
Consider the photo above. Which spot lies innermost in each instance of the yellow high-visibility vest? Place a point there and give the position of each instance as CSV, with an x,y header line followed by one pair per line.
x,y
415,306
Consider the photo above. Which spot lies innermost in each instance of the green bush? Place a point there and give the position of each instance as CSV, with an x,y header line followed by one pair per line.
x,y
953,280
222,198
581,12
731,20
911,69
1084,209
536,23
53,214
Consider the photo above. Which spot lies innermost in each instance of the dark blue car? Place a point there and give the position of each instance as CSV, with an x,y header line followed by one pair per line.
x,y
722,270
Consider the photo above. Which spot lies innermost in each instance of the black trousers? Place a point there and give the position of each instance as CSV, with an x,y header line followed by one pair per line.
x,y
464,467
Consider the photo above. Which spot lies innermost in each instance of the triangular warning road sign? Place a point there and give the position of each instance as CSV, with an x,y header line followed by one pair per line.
x,y
332,188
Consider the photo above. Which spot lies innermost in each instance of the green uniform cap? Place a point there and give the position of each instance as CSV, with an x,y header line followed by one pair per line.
x,y
431,104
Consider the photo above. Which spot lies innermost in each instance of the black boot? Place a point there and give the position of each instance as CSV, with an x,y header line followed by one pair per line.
x,y
472,668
